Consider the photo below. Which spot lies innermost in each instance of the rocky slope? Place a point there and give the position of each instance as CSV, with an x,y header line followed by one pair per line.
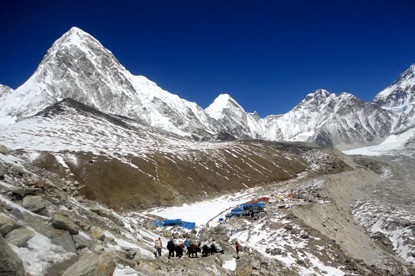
x,y
147,166
328,225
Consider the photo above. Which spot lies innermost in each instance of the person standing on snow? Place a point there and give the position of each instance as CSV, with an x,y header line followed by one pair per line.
x,y
237,247
158,245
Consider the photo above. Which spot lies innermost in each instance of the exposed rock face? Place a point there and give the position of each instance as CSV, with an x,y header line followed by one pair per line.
x,y
10,263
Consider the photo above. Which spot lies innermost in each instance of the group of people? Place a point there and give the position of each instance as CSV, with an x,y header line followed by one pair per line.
x,y
206,248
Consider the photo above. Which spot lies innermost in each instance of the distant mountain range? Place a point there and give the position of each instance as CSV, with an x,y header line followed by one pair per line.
x,y
78,67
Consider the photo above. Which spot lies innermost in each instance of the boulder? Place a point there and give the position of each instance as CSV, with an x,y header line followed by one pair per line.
x,y
288,227
16,213
97,210
97,233
276,251
93,264
149,268
10,263
40,184
3,149
66,241
304,236
81,242
133,254
110,240
244,268
98,248
60,221
24,191
7,224
19,237
34,203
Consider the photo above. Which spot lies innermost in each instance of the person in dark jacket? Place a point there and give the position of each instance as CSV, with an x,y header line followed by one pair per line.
x,y
171,246
205,250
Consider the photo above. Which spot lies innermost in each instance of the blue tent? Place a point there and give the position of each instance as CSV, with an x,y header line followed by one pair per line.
x,y
188,225
249,206
235,212
175,222
172,222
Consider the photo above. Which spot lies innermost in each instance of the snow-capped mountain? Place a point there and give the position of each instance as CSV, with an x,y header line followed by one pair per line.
x,y
399,98
328,119
322,117
5,91
399,93
77,66
234,119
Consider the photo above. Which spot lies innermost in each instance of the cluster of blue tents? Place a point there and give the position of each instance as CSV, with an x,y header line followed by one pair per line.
x,y
246,209
175,222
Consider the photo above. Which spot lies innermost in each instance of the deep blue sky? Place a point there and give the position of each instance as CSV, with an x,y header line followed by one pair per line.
x,y
266,54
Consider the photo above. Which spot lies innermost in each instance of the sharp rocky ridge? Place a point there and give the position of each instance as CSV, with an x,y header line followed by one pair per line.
x,y
78,66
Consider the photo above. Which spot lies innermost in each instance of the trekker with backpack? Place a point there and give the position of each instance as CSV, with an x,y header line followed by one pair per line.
x,y
158,245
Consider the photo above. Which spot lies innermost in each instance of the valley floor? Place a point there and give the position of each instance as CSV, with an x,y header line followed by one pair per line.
x,y
357,222
353,223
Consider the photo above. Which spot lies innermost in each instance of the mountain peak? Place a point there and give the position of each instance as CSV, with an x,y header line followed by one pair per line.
x,y
77,30
399,93
321,93
222,102
75,37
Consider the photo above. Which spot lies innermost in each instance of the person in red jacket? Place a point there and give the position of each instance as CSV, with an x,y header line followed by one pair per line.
x,y
237,247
